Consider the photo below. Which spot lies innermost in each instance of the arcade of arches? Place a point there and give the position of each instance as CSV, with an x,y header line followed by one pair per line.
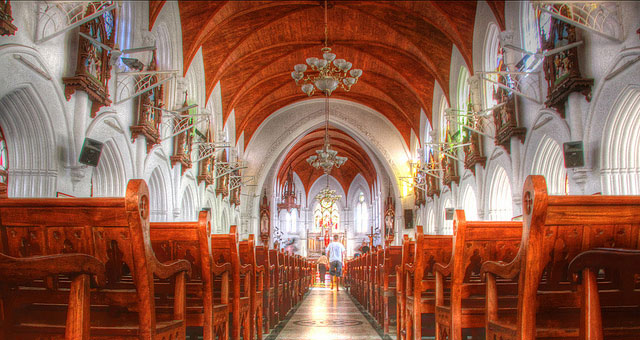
x,y
458,104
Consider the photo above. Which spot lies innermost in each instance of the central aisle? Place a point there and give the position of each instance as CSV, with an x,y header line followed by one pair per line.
x,y
327,315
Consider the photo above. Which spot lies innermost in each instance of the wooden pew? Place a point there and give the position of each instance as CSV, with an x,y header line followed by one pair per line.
x,y
420,282
274,259
191,241
625,263
473,243
116,232
248,256
408,254
224,249
285,296
392,257
269,288
555,230
80,268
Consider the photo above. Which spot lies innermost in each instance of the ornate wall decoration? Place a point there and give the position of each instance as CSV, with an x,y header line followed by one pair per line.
x,y
505,120
450,172
289,199
473,152
182,144
222,187
149,116
433,184
6,20
93,70
390,217
236,189
206,167
265,219
562,70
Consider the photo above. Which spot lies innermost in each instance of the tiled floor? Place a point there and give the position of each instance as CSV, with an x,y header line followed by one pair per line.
x,y
327,315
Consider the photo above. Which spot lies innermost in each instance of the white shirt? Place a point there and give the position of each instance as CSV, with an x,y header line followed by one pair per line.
x,y
335,250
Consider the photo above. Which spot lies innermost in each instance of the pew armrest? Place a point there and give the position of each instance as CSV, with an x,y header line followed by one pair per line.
x,y
220,269
626,260
246,268
504,270
169,269
409,268
442,269
17,270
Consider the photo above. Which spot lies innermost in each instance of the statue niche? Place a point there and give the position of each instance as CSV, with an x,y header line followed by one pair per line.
x,y
562,70
206,166
93,70
6,19
504,118
182,142
149,115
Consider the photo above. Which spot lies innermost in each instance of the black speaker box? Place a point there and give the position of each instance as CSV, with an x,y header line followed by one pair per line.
x,y
408,219
448,213
573,154
90,153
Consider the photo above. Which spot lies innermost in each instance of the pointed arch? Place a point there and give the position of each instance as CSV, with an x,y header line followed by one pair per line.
x,y
620,146
549,162
109,177
158,194
500,198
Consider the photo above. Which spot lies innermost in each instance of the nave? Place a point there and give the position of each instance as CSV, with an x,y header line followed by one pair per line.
x,y
326,314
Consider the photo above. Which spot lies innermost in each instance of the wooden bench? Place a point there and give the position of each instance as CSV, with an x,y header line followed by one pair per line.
x,y
274,259
473,243
248,256
224,249
392,257
207,315
555,230
420,282
408,249
113,230
268,289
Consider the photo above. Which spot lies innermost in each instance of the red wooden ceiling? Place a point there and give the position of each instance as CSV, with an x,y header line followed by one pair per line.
x,y
358,160
403,47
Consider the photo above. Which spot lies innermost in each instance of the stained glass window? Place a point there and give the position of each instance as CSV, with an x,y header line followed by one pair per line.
x,y
534,23
362,214
4,159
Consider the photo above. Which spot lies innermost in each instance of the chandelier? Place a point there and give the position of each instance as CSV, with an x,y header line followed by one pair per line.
x,y
326,158
327,197
327,73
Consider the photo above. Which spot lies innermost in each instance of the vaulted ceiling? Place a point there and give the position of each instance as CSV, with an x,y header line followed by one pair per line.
x,y
250,47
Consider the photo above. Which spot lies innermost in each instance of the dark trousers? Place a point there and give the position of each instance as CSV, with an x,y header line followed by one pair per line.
x,y
322,268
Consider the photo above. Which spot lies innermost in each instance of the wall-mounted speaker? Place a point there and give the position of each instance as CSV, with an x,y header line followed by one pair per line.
x,y
408,219
90,153
448,213
573,154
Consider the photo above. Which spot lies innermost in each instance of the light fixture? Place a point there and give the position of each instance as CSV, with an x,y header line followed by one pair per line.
x,y
328,72
326,158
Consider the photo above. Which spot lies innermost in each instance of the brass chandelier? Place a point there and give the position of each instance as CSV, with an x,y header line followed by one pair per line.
x,y
326,158
328,72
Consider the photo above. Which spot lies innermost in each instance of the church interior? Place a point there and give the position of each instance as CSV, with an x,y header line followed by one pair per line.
x,y
174,169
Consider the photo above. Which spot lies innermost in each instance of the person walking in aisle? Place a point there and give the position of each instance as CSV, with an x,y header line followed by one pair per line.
x,y
323,264
336,257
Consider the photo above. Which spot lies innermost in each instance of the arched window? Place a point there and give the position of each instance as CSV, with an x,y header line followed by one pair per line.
x,y
291,219
500,199
534,23
463,106
620,148
447,225
362,214
469,204
444,123
431,222
4,159
549,162
493,61
326,218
